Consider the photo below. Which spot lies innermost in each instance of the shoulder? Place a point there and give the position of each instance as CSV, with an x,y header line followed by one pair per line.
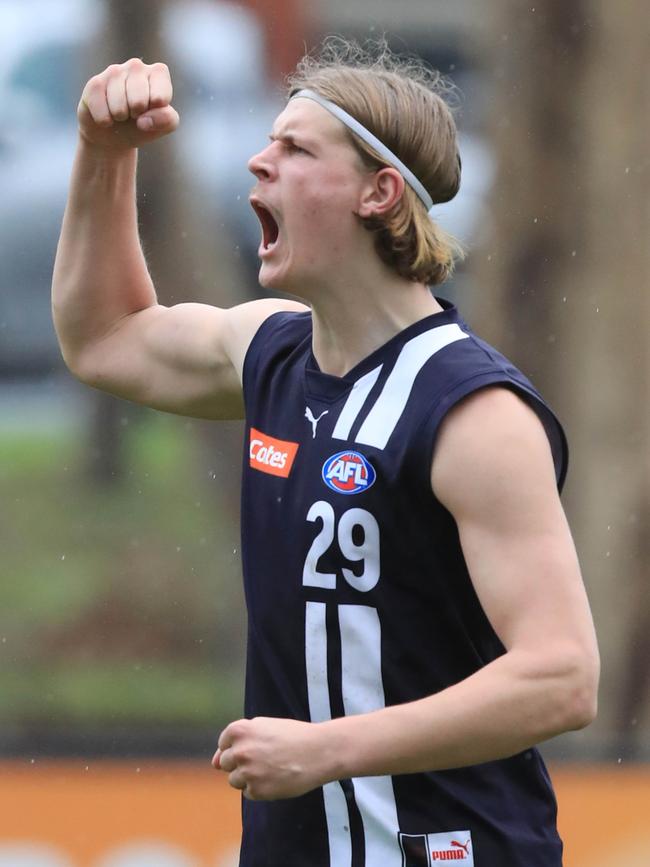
x,y
471,381
491,450
245,320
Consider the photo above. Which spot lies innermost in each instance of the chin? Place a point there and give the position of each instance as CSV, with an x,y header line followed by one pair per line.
x,y
269,281
276,281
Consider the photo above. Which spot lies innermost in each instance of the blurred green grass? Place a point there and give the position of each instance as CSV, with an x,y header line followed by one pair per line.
x,y
121,601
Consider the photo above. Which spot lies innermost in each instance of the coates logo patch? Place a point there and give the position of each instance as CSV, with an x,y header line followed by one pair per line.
x,y
270,455
348,473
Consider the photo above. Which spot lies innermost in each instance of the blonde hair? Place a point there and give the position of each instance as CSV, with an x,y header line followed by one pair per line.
x,y
404,103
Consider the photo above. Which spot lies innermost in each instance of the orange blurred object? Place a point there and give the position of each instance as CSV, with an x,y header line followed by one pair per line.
x,y
183,814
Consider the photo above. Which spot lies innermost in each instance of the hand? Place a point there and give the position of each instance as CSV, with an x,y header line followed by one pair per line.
x,y
127,105
271,758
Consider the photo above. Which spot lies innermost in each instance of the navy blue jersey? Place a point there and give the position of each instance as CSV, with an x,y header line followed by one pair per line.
x,y
359,597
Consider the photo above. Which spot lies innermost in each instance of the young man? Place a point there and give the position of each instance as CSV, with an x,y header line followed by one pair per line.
x,y
417,620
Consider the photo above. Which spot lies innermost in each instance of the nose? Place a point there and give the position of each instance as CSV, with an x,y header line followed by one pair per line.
x,y
262,165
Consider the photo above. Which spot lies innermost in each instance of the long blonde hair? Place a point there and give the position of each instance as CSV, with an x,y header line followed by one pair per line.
x,y
404,103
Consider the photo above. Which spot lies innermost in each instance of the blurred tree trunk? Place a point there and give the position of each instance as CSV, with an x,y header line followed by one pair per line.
x,y
563,285
285,25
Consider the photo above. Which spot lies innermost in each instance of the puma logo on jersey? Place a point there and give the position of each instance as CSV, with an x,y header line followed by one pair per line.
x,y
456,852
309,415
436,848
348,473
463,846
270,455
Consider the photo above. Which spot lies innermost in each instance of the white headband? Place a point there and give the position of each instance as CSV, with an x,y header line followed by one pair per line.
x,y
372,140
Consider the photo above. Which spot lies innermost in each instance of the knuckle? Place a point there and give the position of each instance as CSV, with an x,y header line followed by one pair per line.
x,y
138,104
134,63
239,754
160,67
95,85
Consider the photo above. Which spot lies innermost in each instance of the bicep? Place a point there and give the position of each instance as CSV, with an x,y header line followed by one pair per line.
x,y
494,471
184,359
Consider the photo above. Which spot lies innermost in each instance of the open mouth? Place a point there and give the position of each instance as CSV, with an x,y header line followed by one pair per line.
x,y
270,228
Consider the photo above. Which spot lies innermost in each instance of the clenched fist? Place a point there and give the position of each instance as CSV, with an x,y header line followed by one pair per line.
x,y
127,105
268,758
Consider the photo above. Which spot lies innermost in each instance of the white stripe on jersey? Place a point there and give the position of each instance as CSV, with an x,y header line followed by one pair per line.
x,y
363,691
336,807
356,399
389,406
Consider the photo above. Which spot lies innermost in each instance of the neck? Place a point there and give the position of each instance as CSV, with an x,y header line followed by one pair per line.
x,y
353,320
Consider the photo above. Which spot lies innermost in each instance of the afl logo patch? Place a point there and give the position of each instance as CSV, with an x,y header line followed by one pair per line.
x,y
348,473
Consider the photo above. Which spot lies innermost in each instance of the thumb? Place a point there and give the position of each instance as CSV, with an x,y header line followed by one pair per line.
x,y
158,120
216,760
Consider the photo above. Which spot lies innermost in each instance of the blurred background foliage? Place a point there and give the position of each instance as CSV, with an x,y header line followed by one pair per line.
x,y
122,625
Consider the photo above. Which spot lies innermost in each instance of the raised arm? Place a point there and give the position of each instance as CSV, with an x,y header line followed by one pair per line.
x,y
113,333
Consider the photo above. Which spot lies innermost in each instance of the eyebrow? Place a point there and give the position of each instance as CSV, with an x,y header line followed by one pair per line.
x,y
291,139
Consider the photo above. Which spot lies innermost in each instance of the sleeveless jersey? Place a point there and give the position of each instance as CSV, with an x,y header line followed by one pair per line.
x,y
359,597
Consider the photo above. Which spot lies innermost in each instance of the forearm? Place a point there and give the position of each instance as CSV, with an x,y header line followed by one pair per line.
x,y
100,274
501,710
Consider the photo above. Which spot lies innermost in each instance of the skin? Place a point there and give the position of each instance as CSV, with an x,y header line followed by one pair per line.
x,y
499,485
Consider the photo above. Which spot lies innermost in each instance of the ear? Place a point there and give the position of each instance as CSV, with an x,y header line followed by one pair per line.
x,y
381,193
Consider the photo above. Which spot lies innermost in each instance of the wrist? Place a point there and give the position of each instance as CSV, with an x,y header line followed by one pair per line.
x,y
338,746
114,153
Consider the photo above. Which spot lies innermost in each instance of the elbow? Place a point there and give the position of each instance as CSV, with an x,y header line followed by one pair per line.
x,y
566,689
81,361
71,360
77,365
72,354
580,696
